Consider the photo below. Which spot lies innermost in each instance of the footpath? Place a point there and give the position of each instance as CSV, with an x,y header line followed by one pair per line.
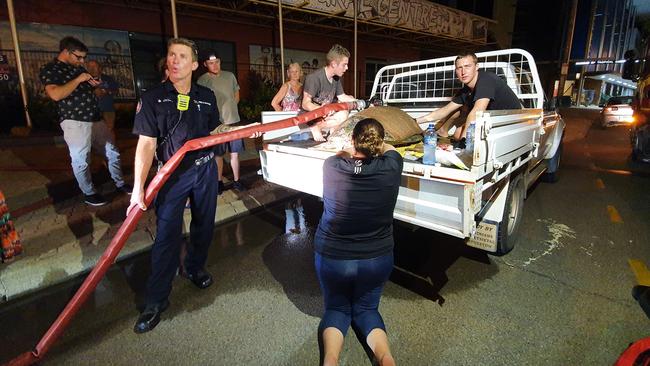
x,y
62,237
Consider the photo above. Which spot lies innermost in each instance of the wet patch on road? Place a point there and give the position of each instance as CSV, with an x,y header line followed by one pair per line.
x,y
558,232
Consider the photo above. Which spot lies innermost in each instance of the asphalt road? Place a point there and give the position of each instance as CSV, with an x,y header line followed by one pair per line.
x,y
561,297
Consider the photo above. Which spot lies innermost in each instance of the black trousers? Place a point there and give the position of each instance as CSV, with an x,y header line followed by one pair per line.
x,y
199,183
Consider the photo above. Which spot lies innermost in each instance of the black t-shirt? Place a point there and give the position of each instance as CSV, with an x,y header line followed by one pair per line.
x,y
359,198
490,86
81,104
157,114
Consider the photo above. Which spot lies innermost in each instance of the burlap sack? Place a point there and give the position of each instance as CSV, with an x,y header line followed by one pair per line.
x,y
397,125
395,121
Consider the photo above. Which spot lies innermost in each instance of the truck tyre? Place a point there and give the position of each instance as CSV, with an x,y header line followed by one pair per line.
x,y
553,165
511,216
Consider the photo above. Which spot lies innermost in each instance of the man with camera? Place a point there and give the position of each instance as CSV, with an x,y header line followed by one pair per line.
x,y
69,85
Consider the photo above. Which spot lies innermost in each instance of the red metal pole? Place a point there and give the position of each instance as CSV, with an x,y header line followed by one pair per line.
x,y
116,245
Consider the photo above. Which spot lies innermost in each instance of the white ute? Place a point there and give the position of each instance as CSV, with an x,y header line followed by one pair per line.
x,y
484,204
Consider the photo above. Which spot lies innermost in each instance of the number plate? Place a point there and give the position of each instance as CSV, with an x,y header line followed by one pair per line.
x,y
485,237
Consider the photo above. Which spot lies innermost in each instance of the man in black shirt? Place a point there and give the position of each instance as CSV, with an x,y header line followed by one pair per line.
x,y
482,91
167,116
69,84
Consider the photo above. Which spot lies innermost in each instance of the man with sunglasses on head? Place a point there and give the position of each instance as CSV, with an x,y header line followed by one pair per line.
x,y
69,85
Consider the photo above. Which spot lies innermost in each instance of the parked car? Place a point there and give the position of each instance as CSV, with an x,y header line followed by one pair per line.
x,y
617,111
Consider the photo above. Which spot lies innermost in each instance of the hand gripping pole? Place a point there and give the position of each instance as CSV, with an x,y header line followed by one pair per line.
x,y
129,224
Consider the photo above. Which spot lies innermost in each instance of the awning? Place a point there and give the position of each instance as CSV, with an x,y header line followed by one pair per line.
x,y
612,79
415,23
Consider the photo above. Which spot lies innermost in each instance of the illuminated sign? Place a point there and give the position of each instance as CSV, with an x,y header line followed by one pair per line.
x,y
599,62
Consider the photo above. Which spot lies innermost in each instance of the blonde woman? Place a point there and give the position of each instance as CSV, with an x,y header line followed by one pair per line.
x,y
289,96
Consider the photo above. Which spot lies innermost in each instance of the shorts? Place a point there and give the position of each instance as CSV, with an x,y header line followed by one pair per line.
x,y
234,146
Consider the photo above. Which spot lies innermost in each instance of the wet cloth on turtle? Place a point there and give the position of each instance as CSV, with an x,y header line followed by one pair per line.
x,y
397,124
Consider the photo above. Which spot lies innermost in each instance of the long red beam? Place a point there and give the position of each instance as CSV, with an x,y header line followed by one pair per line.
x,y
129,224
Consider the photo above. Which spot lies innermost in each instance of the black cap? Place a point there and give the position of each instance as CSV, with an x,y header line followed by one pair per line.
x,y
211,55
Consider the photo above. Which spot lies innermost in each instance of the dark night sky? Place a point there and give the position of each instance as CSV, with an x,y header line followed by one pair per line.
x,y
538,28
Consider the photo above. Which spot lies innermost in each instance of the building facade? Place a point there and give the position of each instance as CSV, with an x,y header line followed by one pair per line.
x,y
129,36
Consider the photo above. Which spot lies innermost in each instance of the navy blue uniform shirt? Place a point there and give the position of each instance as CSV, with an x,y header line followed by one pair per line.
x,y
157,116
359,198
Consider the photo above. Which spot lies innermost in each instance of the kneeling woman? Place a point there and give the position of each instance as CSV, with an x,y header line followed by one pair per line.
x,y
354,240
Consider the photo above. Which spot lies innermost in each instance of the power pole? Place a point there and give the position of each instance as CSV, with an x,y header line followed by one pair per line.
x,y
564,70
590,32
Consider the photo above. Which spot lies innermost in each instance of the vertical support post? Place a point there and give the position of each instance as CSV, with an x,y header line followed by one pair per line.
x,y
19,64
611,54
564,70
628,32
590,33
354,7
603,31
281,40
174,24
619,47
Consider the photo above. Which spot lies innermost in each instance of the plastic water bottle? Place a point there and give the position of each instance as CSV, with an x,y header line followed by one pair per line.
x,y
469,137
430,143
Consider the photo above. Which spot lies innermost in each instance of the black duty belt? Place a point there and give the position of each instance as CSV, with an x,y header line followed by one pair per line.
x,y
203,160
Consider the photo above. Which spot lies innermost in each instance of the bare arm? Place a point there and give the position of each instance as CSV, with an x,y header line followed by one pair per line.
x,y
279,96
439,113
345,98
307,104
237,97
144,154
58,92
479,106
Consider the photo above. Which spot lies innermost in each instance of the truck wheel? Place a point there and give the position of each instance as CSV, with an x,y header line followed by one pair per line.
x,y
511,216
553,165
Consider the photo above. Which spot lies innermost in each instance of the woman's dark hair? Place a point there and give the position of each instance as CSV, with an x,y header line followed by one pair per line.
x,y
368,137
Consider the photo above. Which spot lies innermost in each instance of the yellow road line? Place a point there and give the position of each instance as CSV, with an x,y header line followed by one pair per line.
x,y
614,215
600,184
640,271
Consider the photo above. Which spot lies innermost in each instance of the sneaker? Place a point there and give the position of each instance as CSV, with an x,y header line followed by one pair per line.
x,y
95,199
125,188
238,185
220,188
